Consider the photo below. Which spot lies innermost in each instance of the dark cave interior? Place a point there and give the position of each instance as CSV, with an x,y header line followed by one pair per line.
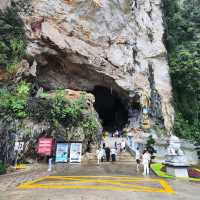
x,y
111,110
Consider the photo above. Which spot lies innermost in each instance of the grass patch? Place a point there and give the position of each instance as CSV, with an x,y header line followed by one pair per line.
x,y
156,167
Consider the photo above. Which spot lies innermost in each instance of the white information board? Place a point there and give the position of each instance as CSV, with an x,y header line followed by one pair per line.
x,y
62,152
19,146
75,152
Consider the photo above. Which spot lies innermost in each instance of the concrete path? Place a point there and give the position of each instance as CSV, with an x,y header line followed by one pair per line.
x,y
117,181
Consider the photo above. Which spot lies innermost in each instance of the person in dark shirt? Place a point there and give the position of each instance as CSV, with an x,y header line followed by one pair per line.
x,y
107,150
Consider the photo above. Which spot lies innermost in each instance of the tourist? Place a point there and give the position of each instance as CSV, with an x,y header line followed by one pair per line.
x,y
123,145
110,134
137,157
107,150
103,154
98,154
116,134
113,154
118,147
145,161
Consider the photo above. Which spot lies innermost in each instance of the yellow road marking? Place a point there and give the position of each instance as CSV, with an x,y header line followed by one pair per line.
x,y
109,183
92,187
166,186
106,182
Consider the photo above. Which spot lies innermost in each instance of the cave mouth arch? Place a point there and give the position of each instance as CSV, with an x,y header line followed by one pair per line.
x,y
112,111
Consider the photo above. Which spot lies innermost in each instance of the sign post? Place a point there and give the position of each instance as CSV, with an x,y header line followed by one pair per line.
x,y
19,146
45,146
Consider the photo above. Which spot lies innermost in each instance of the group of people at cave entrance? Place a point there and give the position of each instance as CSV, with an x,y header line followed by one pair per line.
x,y
115,133
108,154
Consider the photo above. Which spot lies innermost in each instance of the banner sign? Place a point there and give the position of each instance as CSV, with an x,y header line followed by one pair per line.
x,y
45,146
62,152
19,146
75,152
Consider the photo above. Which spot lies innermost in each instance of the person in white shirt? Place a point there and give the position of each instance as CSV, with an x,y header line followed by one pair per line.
x,y
113,154
100,154
137,157
118,147
116,133
145,161
123,145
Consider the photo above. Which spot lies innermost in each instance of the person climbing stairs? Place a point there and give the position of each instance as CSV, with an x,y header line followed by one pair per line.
x,y
111,142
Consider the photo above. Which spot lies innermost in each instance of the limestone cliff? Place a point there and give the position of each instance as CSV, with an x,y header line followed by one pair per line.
x,y
4,4
117,44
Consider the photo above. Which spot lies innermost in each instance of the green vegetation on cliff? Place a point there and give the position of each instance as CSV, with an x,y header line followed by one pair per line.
x,y
183,44
12,39
55,108
13,102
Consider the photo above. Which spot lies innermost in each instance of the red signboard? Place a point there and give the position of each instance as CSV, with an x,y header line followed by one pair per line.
x,y
45,146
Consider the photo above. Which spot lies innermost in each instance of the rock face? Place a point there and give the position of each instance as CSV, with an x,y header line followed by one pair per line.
x,y
4,4
117,44
13,130
29,129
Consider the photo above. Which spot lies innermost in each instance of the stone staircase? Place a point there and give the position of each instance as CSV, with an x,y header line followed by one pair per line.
x,y
125,157
122,157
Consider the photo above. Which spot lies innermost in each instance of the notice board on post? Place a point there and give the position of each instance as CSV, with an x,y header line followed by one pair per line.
x,y
19,146
45,146
62,152
75,152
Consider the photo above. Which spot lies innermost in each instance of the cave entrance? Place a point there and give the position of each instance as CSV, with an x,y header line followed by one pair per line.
x,y
111,110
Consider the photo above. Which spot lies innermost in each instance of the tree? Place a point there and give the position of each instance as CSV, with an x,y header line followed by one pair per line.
x,y
183,44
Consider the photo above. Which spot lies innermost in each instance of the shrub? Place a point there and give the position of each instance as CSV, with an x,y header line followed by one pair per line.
x,y
90,125
150,146
12,40
2,168
14,102
184,129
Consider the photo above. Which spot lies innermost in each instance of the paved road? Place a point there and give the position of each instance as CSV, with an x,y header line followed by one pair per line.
x,y
117,181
